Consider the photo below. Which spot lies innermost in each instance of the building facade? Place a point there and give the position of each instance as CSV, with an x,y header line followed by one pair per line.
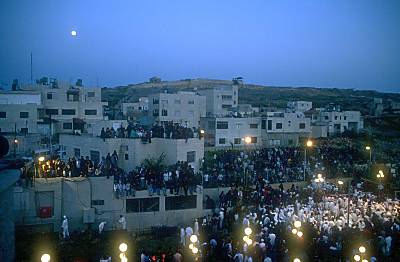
x,y
220,100
231,131
132,152
184,108
299,106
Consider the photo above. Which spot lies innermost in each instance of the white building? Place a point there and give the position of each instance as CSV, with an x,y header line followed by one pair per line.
x,y
129,110
231,131
220,99
19,111
284,129
69,106
132,152
184,108
337,121
299,106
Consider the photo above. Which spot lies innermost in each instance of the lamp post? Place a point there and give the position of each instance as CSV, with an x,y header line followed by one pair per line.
x,y
247,141
45,258
246,238
360,255
380,176
123,247
193,246
308,144
368,148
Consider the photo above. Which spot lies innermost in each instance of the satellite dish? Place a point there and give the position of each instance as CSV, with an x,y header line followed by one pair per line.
x,y
4,146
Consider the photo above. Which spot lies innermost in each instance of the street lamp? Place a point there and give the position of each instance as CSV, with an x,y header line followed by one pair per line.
x,y
296,260
246,238
247,140
41,159
123,247
45,258
308,144
368,148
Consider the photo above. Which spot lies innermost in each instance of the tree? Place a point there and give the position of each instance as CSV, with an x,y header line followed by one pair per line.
x,y
156,165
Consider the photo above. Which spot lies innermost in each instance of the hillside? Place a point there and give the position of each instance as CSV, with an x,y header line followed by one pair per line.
x,y
348,99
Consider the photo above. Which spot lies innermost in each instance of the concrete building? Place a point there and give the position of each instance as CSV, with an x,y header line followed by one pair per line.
x,y
184,108
19,111
8,178
231,131
299,106
337,121
89,201
131,110
284,129
132,152
221,99
70,107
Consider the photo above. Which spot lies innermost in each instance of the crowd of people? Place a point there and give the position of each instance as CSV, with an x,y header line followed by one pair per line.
x,y
166,130
334,226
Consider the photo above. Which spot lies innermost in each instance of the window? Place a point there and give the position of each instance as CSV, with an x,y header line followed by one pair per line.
x,y
222,125
24,130
77,152
3,115
226,97
191,156
177,101
211,124
156,101
95,156
90,112
177,113
221,141
191,113
226,106
51,111
302,125
237,141
140,205
274,142
23,114
68,112
164,102
67,125
156,112
345,117
191,102
164,112
126,157
278,126
263,124
180,202
335,117
253,125
49,96
97,202
326,117
269,124
91,94
254,140
239,125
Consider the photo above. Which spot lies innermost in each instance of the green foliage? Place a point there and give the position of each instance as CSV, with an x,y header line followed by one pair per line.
x,y
156,165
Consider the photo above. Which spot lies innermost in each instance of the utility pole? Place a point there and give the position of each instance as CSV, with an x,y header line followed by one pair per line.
x,y
15,140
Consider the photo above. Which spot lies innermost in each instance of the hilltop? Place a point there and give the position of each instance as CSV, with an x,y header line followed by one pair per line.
x,y
257,95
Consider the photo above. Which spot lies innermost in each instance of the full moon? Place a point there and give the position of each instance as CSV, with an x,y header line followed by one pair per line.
x,y
73,33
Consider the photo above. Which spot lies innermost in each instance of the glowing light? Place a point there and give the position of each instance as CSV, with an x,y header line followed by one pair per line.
x,y
245,238
202,131
340,182
294,231
296,260
123,247
248,231
195,250
357,258
191,246
297,224
309,143
316,180
45,258
247,140
299,234
193,238
121,255
249,241
41,158
15,141
364,260
73,33
124,259
367,148
362,249
319,175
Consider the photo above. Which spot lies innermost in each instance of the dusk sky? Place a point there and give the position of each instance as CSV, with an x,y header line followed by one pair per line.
x,y
340,43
